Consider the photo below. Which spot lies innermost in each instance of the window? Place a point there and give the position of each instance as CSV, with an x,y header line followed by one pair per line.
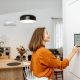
x,y
57,32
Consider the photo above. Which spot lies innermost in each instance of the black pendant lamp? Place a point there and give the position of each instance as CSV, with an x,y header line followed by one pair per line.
x,y
27,19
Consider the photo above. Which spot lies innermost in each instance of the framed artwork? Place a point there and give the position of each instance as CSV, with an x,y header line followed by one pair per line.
x,y
77,40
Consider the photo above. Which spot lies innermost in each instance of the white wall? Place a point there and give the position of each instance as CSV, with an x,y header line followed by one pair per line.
x,y
11,6
71,23
21,33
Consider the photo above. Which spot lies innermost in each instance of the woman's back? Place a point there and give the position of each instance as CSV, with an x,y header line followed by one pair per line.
x,y
38,68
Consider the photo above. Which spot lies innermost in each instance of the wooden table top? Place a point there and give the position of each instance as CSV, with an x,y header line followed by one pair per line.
x,y
4,62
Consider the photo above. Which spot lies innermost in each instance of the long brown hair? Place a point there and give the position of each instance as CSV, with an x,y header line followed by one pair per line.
x,y
37,39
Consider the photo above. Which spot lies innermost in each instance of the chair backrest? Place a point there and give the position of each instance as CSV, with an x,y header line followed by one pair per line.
x,y
54,51
57,53
29,57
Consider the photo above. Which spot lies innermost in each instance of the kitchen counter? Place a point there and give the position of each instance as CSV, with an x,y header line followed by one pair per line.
x,y
11,72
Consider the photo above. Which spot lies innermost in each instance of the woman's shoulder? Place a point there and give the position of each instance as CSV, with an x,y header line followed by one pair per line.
x,y
44,50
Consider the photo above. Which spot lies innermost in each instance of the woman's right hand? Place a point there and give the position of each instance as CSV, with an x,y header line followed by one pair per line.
x,y
75,49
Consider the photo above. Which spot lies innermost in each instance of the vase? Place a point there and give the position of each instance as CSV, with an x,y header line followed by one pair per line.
x,y
21,57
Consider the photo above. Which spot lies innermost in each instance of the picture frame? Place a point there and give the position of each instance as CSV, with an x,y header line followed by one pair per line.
x,y
77,40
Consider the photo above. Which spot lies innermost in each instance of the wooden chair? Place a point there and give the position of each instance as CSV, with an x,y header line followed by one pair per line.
x,y
58,74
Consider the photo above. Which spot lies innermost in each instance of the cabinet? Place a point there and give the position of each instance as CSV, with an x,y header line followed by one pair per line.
x,y
11,72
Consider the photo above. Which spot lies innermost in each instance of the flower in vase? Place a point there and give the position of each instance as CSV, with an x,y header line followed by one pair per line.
x,y
21,50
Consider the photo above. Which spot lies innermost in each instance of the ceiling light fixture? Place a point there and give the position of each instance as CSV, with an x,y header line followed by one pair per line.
x,y
27,19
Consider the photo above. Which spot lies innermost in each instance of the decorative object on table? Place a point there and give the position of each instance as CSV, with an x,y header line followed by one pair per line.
x,y
17,57
13,63
24,57
21,50
4,52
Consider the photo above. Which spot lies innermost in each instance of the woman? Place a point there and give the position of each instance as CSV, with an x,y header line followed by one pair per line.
x,y
43,61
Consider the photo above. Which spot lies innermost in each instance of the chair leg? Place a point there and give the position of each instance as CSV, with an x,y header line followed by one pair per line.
x,y
62,75
56,76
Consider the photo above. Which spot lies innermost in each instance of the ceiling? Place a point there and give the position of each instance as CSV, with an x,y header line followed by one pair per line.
x,y
12,6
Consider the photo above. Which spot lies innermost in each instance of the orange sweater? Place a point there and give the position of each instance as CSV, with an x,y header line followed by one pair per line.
x,y
43,63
